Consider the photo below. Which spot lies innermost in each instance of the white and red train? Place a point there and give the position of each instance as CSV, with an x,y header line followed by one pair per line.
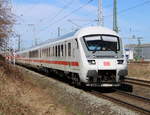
x,y
93,56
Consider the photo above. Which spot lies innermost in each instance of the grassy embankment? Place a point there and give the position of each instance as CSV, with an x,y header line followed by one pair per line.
x,y
19,96
139,70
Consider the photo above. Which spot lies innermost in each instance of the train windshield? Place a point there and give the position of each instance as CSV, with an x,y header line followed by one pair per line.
x,y
102,43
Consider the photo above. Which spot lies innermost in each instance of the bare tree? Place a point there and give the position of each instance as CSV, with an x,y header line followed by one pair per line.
x,y
6,23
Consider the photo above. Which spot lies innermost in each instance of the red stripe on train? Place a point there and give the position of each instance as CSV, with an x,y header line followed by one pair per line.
x,y
53,62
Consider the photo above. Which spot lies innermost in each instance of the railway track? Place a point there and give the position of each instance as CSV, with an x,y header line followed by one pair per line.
x,y
129,100
137,82
140,104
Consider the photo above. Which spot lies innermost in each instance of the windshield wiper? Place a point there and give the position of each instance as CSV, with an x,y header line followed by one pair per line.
x,y
95,49
116,51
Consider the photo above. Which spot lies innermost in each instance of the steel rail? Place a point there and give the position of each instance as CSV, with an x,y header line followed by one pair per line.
x,y
137,82
137,108
145,81
133,95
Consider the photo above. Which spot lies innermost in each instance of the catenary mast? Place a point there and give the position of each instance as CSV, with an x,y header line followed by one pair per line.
x,y
100,14
115,21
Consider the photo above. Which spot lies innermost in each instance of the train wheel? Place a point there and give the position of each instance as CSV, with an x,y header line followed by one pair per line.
x,y
122,78
76,80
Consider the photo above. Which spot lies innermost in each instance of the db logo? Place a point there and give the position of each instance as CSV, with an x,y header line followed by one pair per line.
x,y
106,63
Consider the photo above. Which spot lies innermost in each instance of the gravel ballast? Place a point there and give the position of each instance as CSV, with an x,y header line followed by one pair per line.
x,y
75,100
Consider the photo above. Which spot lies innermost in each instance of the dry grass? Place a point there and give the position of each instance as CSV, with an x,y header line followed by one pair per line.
x,y
140,70
9,104
20,97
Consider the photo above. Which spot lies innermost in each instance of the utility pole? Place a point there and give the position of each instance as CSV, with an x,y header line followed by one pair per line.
x,y
115,21
34,34
138,39
19,43
100,13
58,31
139,49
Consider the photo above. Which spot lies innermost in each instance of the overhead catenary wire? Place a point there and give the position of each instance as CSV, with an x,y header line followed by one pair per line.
x,y
106,6
74,23
131,8
60,11
122,11
95,20
136,6
64,17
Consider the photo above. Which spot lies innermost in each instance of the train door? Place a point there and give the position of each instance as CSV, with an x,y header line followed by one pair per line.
x,y
75,51
67,51
71,53
74,55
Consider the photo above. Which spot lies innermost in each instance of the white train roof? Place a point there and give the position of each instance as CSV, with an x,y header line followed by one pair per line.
x,y
77,33
95,30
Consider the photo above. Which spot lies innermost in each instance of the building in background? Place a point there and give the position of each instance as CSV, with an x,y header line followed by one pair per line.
x,y
129,54
138,52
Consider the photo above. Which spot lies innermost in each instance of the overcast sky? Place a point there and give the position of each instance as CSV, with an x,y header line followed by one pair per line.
x,y
41,18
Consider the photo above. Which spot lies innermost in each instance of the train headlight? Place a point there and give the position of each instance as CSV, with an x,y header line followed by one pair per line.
x,y
120,61
93,62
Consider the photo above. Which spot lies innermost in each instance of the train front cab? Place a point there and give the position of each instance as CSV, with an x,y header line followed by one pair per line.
x,y
104,64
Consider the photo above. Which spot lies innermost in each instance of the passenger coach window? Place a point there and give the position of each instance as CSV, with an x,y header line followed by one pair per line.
x,y
69,49
50,49
53,51
65,50
33,54
56,51
62,50
46,52
40,53
59,50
